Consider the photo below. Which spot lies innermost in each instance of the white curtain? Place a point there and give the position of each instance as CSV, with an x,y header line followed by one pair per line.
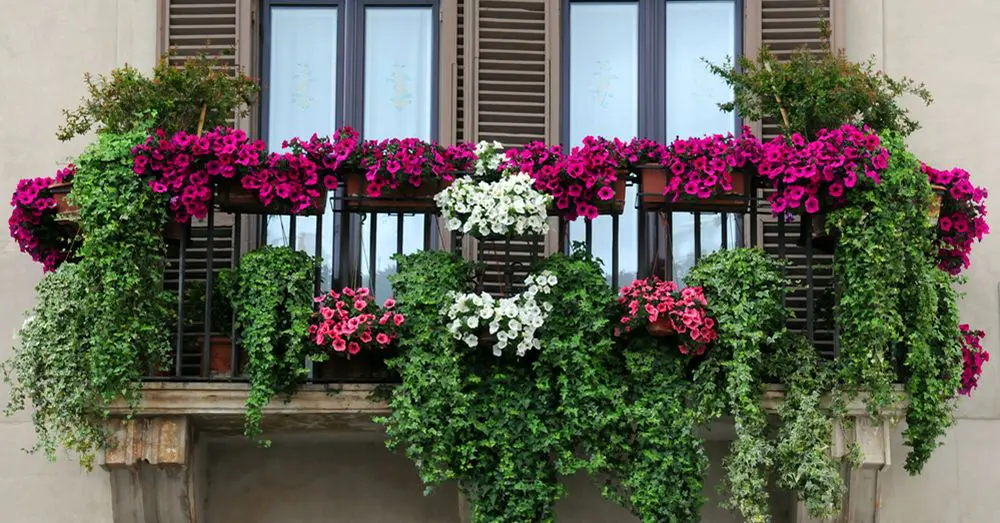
x,y
696,31
302,94
398,103
604,101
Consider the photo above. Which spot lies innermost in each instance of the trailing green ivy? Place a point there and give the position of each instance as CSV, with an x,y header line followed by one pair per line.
x,y
272,298
897,311
505,427
660,477
119,311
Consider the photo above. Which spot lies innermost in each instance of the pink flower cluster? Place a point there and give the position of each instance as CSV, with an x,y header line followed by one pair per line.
x,y
648,300
287,176
702,167
577,182
329,156
973,356
184,166
963,217
351,321
389,163
32,221
813,176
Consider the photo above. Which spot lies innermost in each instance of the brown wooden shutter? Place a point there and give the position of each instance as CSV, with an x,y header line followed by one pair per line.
x,y
785,26
509,92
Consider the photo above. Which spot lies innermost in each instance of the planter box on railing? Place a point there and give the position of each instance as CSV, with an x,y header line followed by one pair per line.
x,y
232,197
406,198
653,180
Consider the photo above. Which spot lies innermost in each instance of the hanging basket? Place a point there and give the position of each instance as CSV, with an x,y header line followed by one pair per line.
x,y
406,198
653,181
934,211
232,197
661,328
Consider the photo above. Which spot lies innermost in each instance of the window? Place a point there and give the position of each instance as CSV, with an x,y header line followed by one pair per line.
x,y
371,64
635,68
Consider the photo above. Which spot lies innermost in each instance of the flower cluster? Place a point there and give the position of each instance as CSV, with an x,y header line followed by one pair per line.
x,y
508,206
390,163
489,157
33,224
351,321
650,300
813,176
702,167
963,217
184,166
973,356
330,157
287,176
513,321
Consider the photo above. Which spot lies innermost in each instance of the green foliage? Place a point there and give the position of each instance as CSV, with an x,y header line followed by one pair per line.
x,y
744,288
504,427
173,97
896,308
50,369
802,455
660,476
116,321
222,309
818,90
272,297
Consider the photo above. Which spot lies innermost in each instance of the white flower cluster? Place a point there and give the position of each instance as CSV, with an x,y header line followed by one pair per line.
x,y
489,155
508,206
513,320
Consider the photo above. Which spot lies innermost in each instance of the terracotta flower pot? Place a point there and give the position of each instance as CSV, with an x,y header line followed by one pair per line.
x,y
405,198
617,204
934,211
232,197
661,327
59,192
220,356
653,180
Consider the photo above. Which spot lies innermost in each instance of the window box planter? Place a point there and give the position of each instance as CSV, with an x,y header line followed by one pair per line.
x,y
232,197
615,205
653,180
365,366
406,198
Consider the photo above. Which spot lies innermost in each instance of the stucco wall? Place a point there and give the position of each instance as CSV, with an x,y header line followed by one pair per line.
x,y
45,48
954,48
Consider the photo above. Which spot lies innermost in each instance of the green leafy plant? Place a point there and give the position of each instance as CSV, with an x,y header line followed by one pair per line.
x,y
818,90
272,296
505,427
660,473
174,97
222,309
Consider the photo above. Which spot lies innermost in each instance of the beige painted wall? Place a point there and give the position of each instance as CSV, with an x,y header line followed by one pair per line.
x,y
47,45
45,48
954,47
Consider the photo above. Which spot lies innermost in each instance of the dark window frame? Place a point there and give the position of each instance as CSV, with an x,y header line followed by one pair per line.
x,y
652,118
346,236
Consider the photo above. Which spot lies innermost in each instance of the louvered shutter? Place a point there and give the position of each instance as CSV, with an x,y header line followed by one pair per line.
x,y
220,30
509,92
785,26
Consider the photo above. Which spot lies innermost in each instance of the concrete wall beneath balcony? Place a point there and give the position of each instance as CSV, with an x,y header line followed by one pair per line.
x,y
954,48
354,479
45,48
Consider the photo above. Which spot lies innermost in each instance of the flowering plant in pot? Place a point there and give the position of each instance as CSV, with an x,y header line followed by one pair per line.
x,y
34,221
332,156
184,166
476,319
509,206
350,323
963,217
973,357
398,174
219,349
702,173
663,310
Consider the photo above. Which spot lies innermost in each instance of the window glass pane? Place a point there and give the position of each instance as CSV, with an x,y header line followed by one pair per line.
x,y
301,96
604,100
698,31
398,103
